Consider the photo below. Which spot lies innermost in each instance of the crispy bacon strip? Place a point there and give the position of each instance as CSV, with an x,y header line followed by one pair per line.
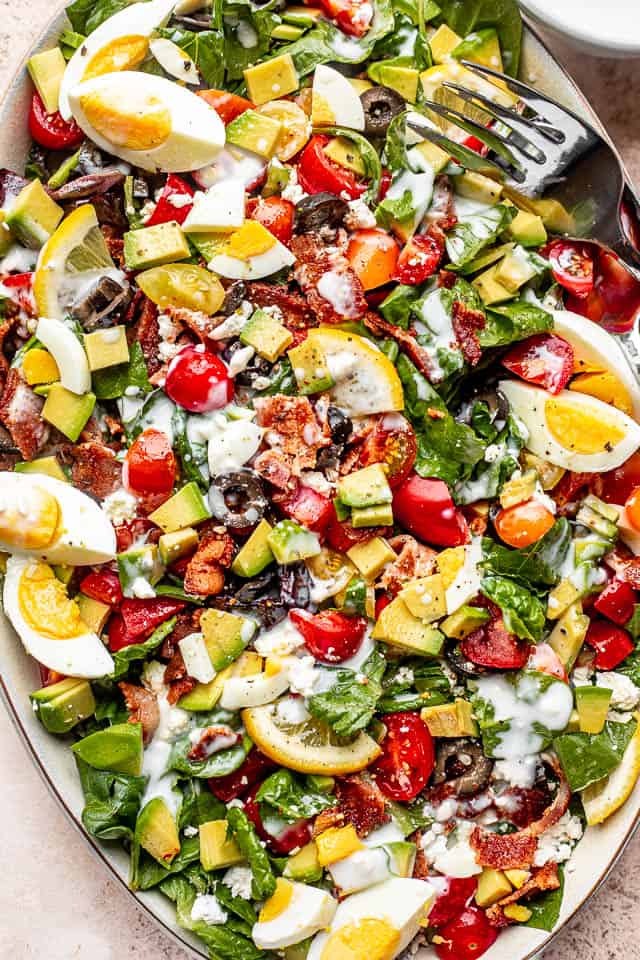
x,y
94,468
360,803
343,296
295,436
200,750
6,327
441,211
205,571
405,340
143,708
197,321
414,560
146,331
21,414
546,878
465,324
295,310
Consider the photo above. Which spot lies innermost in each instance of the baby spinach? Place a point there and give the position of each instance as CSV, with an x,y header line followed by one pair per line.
x,y
512,322
467,16
112,802
263,883
588,757
113,382
206,49
539,563
86,15
545,909
349,705
218,764
477,231
288,799
499,460
523,613
243,21
139,651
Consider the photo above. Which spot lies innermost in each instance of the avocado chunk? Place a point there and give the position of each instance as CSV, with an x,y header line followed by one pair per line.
x,y
554,215
464,621
568,635
598,516
272,79
204,696
139,569
592,704
402,857
186,508
371,557
490,289
561,598
344,152
46,71
486,258
217,850
450,719
516,269
475,186
6,237
156,831
268,337
287,31
366,487
172,546
481,46
443,42
255,132
153,246
399,628
67,411
64,704
106,348
49,466
492,886
289,542
117,748
404,80
425,598
255,554
304,865
225,636
433,155
93,612
302,16
528,229
518,490
33,215
310,368
379,515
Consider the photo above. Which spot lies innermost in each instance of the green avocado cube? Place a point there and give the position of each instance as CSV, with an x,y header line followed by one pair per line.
x,y
33,215
68,411
528,229
365,488
287,31
117,748
46,71
266,335
490,289
514,270
289,542
592,704
50,466
106,348
272,79
186,508
63,705
255,132
156,831
174,545
425,598
379,515
153,246
402,857
255,554
93,612
310,368
371,557
304,865
218,850
398,627
464,621
225,636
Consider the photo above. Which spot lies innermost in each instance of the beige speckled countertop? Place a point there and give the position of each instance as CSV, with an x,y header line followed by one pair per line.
x,y
64,906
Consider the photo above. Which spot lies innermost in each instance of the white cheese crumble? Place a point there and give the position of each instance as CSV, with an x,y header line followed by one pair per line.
x,y
142,589
120,506
240,360
233,324
558,841
624,693
238,879
302,676
279,641
292,710
190,831
169,332
293,191
452,856
359,216
206,907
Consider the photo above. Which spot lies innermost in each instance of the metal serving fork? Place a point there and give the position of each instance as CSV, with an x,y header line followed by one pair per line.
x,y
539,147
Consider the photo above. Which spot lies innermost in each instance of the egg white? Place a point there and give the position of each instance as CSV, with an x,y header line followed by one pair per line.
x,y
174,61
68,352
253,691
82,656
308,911
253,268
467,582
332,91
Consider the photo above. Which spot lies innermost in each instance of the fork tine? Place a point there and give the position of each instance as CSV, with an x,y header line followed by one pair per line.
x,y
467,158
521,125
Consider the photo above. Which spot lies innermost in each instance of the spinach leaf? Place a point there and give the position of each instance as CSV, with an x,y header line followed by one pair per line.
x,y
112,802
242,908
538,564
633,624
350,703
466,16
368,155
226,944
477,231
194,457
413,684
206,49
263,883
243,22
217,765
183,893
588,757
523,613
409,816
545,909
199,805
86,15
289,799
112,382
500,461
147,872
396,308
139,651
281,380
512,322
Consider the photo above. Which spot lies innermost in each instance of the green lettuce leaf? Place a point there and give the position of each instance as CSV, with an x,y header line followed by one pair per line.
x,y
112,802
512,322
523,613
206,49
470,236
539,563
588,757
112,382
289,799
349,705
467,16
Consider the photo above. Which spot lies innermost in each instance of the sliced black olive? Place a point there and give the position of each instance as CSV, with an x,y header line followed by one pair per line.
x,y
238,499
88,186
196,21
263,587
458,662
339,424
94,307
462,765
295,586
319,211
234,295
380,105
329,457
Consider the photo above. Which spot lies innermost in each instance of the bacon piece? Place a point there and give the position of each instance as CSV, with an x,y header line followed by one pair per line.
x,y
177,679
414,560
197,321
143,708
6,328
523,807
146,331
296,312
94,468
295,435
447,279
115,243
421,865
344,299
546,878
273,466
21,414
200,750
466,322
360,802
441,211
205,571
187,621
179,688
406,341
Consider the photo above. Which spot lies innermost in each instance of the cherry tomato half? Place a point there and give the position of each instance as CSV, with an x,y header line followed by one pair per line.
x,y
309,508
330,636
228,106
102,585
352,16
292,835
420,257
450,903
572,266
492,645
407,759
150,466
424,507
614,301
544,659
545,359
393,443
166,210
198,380
275,214
318,173
50,130
466,937
373,255
619,484
523,524
632,506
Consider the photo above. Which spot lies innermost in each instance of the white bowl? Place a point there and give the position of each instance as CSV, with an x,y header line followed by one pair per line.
x,y
603,28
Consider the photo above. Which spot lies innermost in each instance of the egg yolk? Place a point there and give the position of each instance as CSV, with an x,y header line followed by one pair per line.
x,y
29,520
321,110
604,386
368,939
142,123
250,240
123,53
45,606
578,429
277,903
450,563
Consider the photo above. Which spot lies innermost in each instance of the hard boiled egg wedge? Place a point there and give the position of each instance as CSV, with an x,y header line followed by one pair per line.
x,y
573,430
67,351
120,43
174,60
334,100
250,253
48,621
257,689
377,924
148,121
294,912
48,519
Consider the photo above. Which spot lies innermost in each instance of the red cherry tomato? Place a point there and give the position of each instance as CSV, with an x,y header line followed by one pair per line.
x,y
450,903
619,484
572,266
407,758
198,380
309,508
466,937
632,506
617,602
166,210
544,659
50,130
420,257
352,16
317,173
275,214
228,106
614,301
523,524
102,585
491,645
545,359
385,183
424,507
236,784
611,643
382,600
393,443
373,255
330,636
341,536
150,466
141,617
294,835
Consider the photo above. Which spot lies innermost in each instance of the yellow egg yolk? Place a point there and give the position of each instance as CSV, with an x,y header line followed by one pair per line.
x,y
321,110
368,939
578,429
45,606
277,903
29,519
604,386
143,123
123,53
450,562
250,240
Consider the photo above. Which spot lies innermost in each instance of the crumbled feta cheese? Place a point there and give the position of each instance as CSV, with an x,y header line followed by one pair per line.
x,y
302,676
233,324
142,589
175,722
293,191
516,771
238,879
452,856
404,675
581,676
292,710
625,695
240,360
558,841
280,641
190,831
169,332
359,216
316,481
153,676
206,907
274,311
120,506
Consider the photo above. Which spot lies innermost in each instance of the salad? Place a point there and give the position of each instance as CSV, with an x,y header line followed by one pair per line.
x,y
320,491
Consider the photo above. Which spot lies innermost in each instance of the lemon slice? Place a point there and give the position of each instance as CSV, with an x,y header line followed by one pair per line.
x,y
602,799
451,72
308,747
73,255
365,379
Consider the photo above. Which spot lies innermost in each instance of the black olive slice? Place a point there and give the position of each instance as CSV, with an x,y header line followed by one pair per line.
x,y
380,105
